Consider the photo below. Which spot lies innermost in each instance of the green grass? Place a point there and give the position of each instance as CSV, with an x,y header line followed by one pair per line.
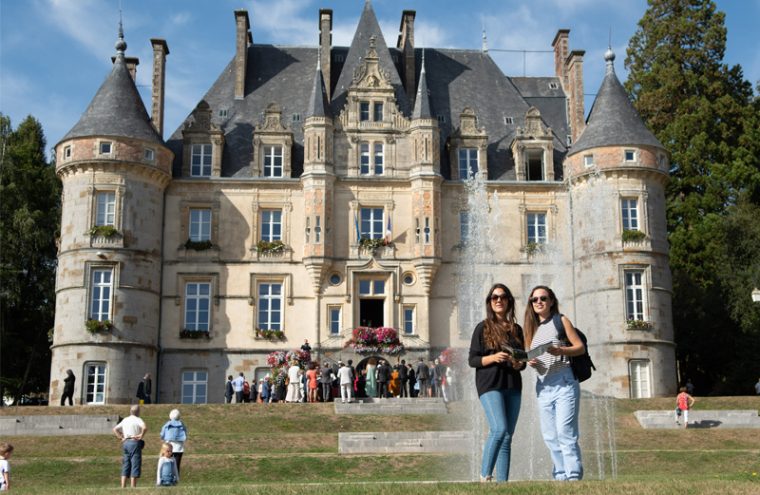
x,y
293,448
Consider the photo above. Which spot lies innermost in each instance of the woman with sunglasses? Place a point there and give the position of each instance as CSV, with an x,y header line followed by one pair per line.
x,y
497,378
557,389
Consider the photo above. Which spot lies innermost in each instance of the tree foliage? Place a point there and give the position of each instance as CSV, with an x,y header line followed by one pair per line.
x,y
705,114
29,224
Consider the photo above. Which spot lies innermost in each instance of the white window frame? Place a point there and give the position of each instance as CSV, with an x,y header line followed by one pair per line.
x,y
409,321
105,148
640,378
266,298
67,152
364,111
635,287
194,382
94,390
105,208
629,212
149,154
271,225
200,224
196,323
378,160
201,160
588,160
273,153
467,158
370,226
100,305
377,111
536,220
364,158
373,287
334,319
632,158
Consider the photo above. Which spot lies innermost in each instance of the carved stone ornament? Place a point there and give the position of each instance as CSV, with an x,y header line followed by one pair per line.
x,y
368,74
533,124
201,119
272,119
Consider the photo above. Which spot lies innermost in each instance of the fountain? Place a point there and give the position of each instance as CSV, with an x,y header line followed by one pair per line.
x,y
483,265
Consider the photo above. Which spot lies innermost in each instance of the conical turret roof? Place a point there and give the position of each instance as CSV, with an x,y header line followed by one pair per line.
x,y
613,121
367,28
318,104
117,109
422,100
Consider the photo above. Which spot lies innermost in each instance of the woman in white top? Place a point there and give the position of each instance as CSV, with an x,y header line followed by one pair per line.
x,y
557,389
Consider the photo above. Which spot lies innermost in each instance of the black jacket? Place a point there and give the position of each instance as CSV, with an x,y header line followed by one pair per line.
x,y
496,376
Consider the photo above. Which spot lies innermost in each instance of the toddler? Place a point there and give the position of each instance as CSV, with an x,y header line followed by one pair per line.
x,y
6,450
166,473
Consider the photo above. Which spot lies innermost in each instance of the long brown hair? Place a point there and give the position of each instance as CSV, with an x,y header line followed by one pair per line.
x,y
495,332
531,317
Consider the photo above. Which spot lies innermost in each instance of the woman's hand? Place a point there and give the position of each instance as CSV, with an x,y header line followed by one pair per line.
x,y
499,357
555,351
533,362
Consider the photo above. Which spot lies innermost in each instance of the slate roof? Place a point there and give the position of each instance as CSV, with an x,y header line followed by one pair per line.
x,y
613,121
422,108
318,104
116,110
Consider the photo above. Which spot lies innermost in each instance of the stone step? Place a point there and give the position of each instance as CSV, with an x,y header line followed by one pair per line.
x,y
393,406
741,418
57,425
404,442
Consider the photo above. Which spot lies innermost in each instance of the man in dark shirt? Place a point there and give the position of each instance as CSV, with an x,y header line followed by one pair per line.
x,y
383,377
325,378
412,380
403,379
423,378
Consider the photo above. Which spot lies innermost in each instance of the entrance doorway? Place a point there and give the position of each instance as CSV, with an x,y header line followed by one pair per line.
x,y
371,312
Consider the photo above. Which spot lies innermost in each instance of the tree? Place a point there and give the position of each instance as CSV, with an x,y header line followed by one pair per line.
x,y
704,114
29,224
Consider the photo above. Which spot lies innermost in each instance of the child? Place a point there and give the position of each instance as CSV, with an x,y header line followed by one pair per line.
x,y
684,401
6,450
166,473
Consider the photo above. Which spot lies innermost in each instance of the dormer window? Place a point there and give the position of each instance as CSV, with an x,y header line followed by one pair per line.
x,y
508,121
363,111
272,161
296,117
200,161
223,112
630,155
468,162
534,164
378,112
553,85
441,118
105,148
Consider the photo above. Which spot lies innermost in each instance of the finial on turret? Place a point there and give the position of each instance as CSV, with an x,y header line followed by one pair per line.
x,y
121,45
484,47
422,69
609,57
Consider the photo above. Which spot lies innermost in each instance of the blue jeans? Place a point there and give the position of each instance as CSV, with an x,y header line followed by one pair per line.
x,y
502,407
131,462
559,401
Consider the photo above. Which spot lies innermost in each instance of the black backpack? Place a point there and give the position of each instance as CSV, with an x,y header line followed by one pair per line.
x,y
581,365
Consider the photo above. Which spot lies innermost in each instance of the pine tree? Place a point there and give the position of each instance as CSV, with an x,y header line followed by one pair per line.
x,y
704,114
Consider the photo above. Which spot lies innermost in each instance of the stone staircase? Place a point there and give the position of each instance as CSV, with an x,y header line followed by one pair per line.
x,y
57,425
394,406
699,419
404,442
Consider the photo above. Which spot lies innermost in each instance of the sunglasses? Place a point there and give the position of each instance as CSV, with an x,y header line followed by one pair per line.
x,y
539,298
499,297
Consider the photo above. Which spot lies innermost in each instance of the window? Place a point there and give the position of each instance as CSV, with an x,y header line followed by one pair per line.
x,y
407,278
408,320
200,164
553,85
105,210
223,112
334,316
508,121
101,288
536,228
95,387
364,158
272,161
630,210
371,223
534,164
634,294
335,279
464,226
363,111
588,160
67,152
200,224
426,230
378,112
441,118
378,158
639,375
468,162
271,225
270,306
318,229
630,155
105,148
194,387
569,139
197,306
296,117
149,154
371,287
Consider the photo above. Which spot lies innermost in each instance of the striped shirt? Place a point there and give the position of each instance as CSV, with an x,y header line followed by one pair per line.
x,y
547,363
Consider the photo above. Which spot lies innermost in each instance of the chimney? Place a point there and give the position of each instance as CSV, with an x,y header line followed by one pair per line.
x,y
560,45
406,45
160,51
242,37
325,45
131,63
575,82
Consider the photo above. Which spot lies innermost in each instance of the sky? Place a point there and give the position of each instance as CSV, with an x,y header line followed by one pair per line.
x,y
55,54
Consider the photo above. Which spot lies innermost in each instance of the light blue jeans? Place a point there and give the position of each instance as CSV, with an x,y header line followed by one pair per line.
x,y
559,401
502,407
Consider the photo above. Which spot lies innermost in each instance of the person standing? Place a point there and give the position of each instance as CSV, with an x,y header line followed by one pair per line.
x,y
305,346
144,389
326,379
403,379
6,450
294,383
167,471
684,402
346,378
312,382
757,387
237,387
557,389
131,431
383,377
497,379
228,390
68,388
412,379
423,378
175,433
370,378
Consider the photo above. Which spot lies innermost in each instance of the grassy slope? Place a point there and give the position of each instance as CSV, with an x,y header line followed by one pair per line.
x,y
278,448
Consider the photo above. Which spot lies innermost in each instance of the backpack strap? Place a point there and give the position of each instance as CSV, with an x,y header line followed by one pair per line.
x,y
561,334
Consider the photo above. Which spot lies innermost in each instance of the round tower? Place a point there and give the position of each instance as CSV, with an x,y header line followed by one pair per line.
x,y
617,172
114,167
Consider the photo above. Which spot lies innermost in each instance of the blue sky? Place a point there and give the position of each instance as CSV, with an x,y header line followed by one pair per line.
x,y
55,54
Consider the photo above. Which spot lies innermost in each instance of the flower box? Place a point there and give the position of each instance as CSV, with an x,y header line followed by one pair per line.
x,y
194,334
270,247
368,340
98,326
198,245
270,334
633,236
638,325
106,231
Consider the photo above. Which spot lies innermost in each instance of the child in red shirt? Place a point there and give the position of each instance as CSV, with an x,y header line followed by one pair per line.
x,y
684,402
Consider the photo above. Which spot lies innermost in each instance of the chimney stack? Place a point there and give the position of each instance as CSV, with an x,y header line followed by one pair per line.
x,y
160,51
575,82
560,45
325,46
406,45
242,39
